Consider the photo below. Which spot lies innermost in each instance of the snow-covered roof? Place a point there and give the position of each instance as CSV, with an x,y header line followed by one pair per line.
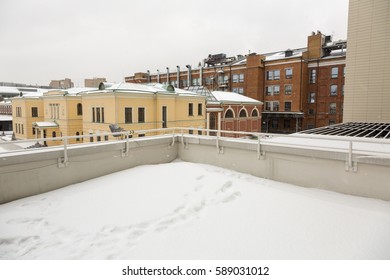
x,y
69,91
5,118
152,88
45,124
232,97
186,213
24,91
282,54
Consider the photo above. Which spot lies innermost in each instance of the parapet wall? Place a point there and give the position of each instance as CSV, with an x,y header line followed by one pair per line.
x,y
38,171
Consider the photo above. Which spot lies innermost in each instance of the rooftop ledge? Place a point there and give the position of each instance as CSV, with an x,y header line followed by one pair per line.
x,y
351,165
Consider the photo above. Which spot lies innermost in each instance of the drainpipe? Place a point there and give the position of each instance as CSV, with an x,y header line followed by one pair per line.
x,y
158,76
178,76
188,75
148,79
167,75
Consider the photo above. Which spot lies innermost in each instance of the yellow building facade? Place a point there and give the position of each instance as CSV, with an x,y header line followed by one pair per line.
x,y
26,110
133,107
93,113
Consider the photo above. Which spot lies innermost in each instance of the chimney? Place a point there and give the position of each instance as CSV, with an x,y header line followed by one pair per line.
x,y
167,75
158,76
188,75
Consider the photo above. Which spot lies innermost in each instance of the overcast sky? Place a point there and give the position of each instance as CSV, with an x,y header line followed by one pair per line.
x,y
44,40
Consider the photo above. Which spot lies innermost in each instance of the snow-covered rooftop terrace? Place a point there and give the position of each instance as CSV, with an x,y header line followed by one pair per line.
x,y
192,209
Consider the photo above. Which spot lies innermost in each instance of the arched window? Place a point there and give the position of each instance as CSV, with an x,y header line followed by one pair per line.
x,y
243,113
79,109
54,134
229,113
255,113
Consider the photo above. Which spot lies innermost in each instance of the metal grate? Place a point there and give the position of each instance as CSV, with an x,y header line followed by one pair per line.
x,y
354,129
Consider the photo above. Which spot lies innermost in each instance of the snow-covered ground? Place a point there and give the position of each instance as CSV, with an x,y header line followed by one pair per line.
x,y
184,210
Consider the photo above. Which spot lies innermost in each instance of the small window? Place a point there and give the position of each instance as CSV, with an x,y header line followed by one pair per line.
x,y
270,75
276,90
128,115
333,90
190,109
313,76
335,72
54,134
141,115
98,114
79,109
34,112
229,114
332,108
277,75
289,73
200,109
288,89
287,106
312,97
78,138
243,113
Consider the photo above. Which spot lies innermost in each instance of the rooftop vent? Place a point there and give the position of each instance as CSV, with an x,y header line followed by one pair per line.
x,y
288,53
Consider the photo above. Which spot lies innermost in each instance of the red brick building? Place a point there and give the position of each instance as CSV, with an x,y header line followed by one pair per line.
x,y
234,112
300,88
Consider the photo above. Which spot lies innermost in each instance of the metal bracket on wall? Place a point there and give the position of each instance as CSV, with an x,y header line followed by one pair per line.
x,y
61,162
172,144
260,153
349,164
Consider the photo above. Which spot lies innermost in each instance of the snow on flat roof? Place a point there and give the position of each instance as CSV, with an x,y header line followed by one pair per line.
x,y
226,97
282,55
45,124
5,118
151,88
193,211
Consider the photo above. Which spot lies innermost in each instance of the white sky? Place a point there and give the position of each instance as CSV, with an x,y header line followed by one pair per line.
x,y
43,40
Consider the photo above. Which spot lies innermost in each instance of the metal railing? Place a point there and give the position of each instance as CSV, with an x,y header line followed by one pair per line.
x,y
258,138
